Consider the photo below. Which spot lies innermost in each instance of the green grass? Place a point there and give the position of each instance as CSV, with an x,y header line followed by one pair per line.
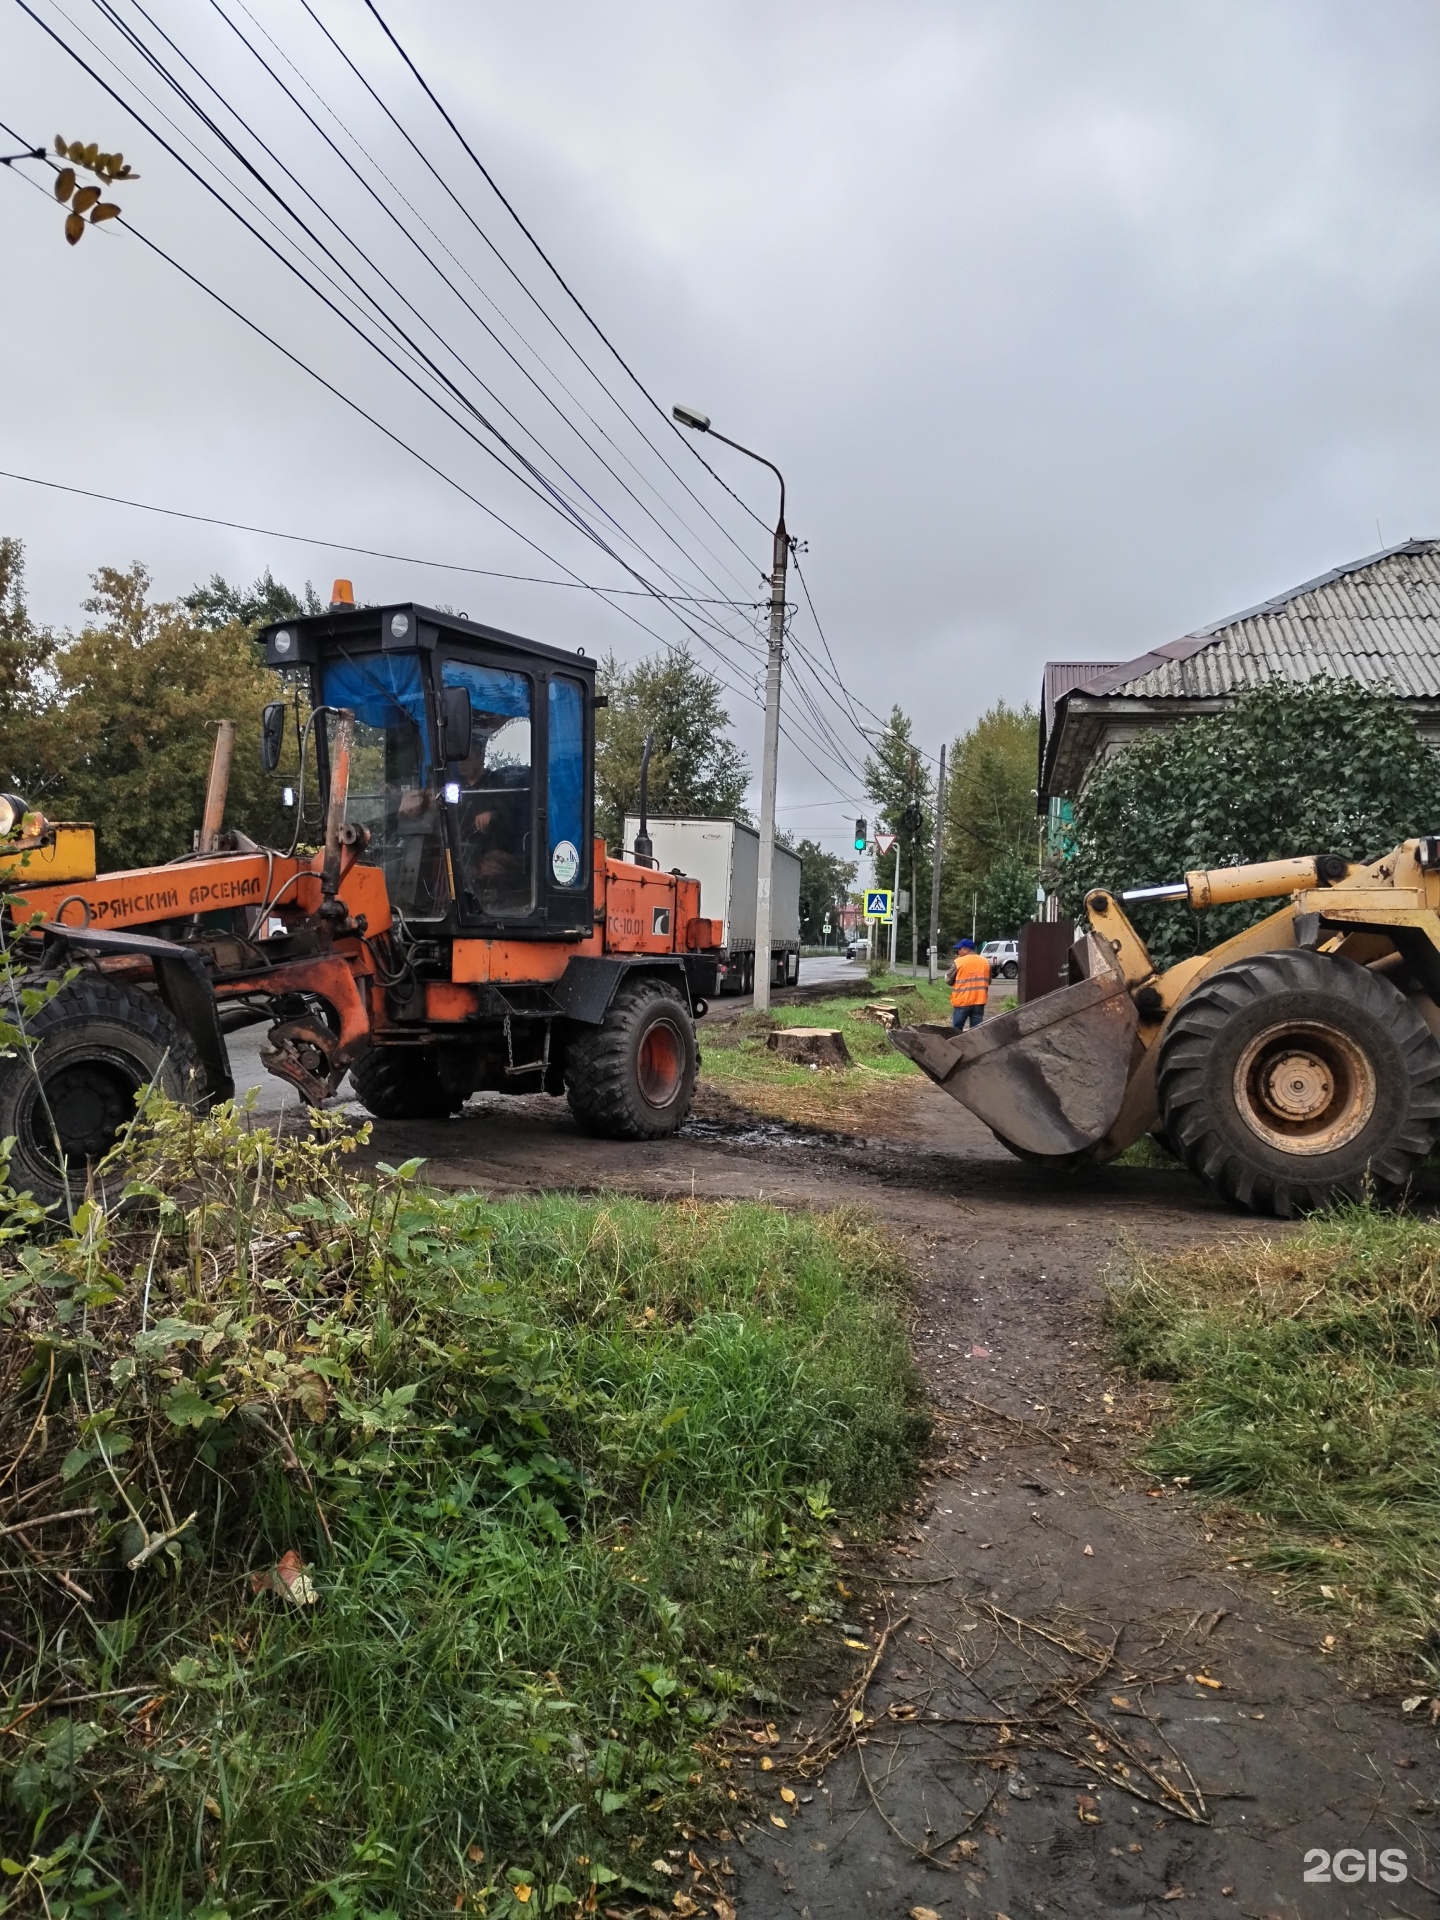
x,y
1306,1400
735,1050
563,1475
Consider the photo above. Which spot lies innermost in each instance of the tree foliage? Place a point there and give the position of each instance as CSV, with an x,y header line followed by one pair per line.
x,y
825,882
897,780
1328,767
695,766
991,829
115,724
218,604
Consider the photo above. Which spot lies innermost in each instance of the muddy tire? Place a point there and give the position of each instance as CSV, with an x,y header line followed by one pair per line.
x,y
97,1045
402,1083
1290,1080
634,1077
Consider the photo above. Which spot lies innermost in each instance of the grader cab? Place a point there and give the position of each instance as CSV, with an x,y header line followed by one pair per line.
x,y
459,929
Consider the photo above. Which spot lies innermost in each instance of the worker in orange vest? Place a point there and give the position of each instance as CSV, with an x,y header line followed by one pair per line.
x,y
968,978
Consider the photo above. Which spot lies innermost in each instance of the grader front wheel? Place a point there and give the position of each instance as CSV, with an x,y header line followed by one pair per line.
x,y
92,1050
1292,1079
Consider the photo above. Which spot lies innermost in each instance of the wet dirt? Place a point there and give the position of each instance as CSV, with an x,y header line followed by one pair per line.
x,y
989,1781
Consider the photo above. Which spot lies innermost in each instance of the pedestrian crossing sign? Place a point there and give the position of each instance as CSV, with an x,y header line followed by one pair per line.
x,y
880,905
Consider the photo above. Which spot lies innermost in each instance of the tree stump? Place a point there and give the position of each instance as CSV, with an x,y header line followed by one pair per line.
x,y
810,1046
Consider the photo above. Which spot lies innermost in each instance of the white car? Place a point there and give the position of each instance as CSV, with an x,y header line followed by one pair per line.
x,y
1004,957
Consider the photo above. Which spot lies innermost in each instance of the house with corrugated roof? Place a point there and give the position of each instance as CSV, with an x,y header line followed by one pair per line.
x,y
1376,620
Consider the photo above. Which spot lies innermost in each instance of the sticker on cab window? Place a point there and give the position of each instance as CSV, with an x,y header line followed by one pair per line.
x,y
565,863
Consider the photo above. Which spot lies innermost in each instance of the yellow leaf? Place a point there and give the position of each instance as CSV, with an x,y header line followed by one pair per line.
x,y
858,1643
1119,1700
522,1894
923,1913
64,183
787,1794
776,1821
684,1905
91,152
60,145
475,1854
107,210
76,151
85,199
1204,1680
212,1806
74,227
766,1764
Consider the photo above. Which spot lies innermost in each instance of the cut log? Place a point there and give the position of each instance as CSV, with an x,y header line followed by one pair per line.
x,y
810,1046
884,1011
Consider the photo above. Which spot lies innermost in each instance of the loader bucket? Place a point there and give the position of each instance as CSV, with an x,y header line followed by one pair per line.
x,y
1048,1078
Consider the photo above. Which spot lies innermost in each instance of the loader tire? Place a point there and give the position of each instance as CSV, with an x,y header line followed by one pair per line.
x,y
402,1083
94,1048
1290,1080
633,1078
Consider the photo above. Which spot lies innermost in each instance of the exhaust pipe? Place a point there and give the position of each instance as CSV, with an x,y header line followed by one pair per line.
x,y
340,745
217,788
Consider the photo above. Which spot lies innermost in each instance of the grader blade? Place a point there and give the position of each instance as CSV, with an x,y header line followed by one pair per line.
x,y
1049,1077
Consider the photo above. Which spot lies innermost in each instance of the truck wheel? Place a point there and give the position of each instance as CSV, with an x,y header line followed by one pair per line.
x,y
634,1077
97,1044
402,1083
1291,1079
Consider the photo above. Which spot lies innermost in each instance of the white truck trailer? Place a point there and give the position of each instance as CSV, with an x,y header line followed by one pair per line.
x,y
725,858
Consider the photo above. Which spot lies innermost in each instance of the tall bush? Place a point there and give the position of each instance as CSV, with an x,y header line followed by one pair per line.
x,y
1327,767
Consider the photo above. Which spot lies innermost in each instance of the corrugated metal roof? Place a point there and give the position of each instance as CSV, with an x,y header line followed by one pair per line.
x,y
1062,676
1376,621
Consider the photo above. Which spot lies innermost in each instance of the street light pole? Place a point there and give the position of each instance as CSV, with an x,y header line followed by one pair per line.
x,y
780,561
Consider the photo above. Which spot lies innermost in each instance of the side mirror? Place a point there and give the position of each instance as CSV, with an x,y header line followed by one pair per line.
x,y
272,735
456,723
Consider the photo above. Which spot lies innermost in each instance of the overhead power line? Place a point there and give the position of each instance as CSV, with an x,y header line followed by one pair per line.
x,y
814,728
557,499
560,279
547,496
335,546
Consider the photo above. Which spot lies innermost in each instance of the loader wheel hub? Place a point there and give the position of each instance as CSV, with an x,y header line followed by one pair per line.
x,y
1305,1089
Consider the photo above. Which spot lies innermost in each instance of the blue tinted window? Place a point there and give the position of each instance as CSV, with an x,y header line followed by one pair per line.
x,y
494,802
567,783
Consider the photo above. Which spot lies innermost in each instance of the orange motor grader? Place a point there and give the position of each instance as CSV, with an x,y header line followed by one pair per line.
x,y
460,929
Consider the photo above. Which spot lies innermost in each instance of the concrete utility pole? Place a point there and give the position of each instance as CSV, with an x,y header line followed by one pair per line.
x,y
935,870
780,561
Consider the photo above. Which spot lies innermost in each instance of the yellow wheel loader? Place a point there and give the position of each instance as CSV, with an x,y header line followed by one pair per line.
x,y
1294,1065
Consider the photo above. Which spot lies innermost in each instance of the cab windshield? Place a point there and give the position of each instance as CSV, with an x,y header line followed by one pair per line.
x,y
391,792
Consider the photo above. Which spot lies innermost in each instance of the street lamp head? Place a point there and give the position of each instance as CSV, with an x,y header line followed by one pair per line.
x,y
691,417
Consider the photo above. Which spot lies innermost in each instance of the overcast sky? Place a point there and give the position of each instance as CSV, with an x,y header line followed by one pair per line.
x,y
1073,326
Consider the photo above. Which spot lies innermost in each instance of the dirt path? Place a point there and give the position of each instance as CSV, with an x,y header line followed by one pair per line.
x,y
968,1796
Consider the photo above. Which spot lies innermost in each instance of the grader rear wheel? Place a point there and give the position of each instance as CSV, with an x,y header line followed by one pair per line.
x,y
633,1078
1293,1079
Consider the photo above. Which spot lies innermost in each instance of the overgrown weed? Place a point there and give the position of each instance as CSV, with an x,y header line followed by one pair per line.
x,y
415,1542
1305,1379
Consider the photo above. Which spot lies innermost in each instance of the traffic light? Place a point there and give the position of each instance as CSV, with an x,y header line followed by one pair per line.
x,y
860,837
